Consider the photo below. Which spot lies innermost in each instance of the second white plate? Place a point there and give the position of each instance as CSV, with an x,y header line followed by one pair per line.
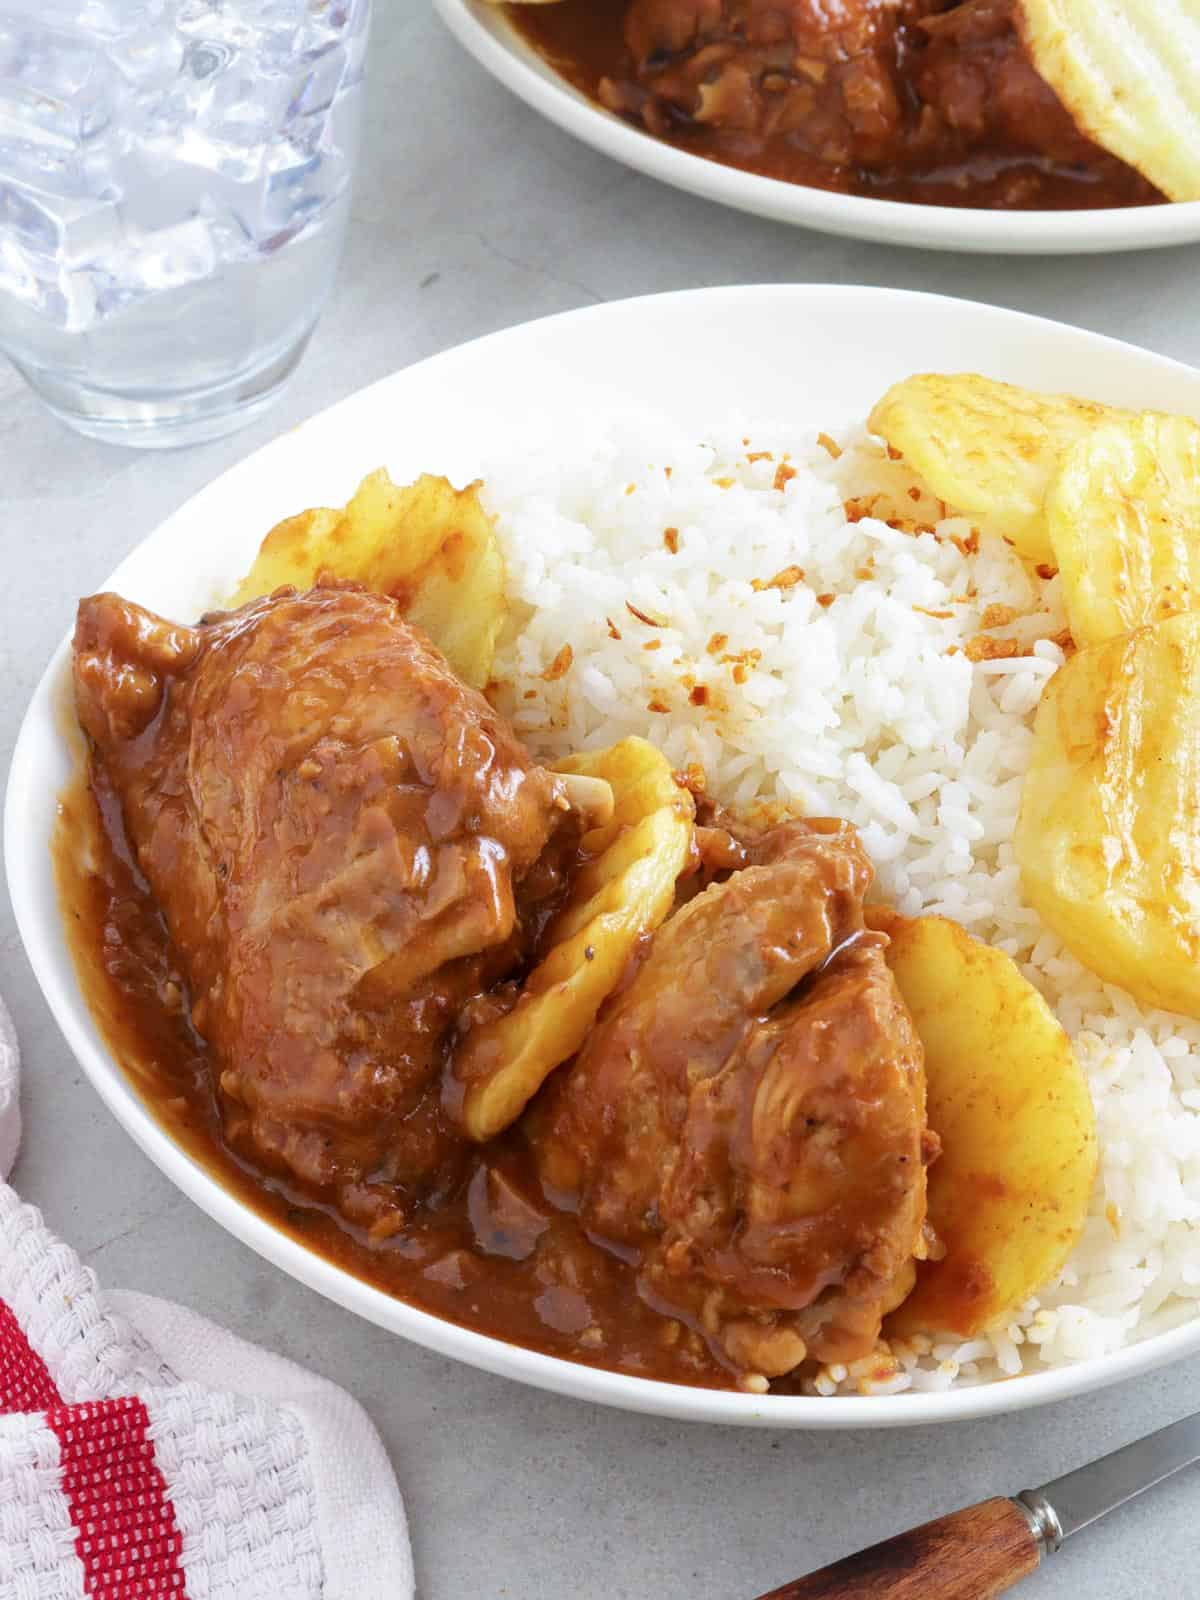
x,y
487,34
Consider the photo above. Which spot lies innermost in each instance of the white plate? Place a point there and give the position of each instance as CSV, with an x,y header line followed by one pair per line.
x,y
812,352
492,40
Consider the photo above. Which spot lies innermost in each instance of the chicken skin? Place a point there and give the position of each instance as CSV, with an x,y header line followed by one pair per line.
x,y
340,837
748,1120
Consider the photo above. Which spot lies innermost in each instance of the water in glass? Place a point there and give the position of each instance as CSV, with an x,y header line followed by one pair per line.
x,y
174,188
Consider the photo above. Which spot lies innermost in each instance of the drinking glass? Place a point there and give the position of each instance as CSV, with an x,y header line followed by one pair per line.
x,y
174,191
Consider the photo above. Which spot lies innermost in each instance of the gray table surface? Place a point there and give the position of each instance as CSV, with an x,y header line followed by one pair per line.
x,y
471,215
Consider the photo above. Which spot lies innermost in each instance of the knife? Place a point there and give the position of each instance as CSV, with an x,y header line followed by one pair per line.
x,y
986,1549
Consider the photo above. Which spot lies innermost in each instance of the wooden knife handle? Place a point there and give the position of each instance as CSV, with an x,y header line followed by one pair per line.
x,y
971,1555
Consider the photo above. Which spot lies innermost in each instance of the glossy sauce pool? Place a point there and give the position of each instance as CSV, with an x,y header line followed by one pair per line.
x,y
493,1256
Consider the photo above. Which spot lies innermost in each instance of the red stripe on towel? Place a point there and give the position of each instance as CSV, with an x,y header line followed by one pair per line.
x,y
125,1530
25,1381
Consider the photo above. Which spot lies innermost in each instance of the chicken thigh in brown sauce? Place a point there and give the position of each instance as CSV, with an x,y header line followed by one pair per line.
x,y
340,836
749,1118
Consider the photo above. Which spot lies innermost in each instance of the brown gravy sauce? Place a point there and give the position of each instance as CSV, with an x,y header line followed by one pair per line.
x,y
583,40
493,1256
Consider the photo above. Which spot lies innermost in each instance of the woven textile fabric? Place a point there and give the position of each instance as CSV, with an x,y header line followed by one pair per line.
x,y
145,1452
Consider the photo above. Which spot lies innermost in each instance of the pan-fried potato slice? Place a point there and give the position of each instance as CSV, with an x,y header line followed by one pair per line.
x,y
1108,838
626,890
1009,1193
988,449
1127,72
1124,520
429,545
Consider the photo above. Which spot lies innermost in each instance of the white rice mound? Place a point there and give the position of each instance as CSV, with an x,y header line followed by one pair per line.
x,y
849,692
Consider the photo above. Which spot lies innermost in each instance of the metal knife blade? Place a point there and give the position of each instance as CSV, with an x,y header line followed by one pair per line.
x,y
1079,1498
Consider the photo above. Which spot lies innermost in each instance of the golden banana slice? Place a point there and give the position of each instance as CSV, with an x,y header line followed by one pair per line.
x,y
1009,1194
429,545
1124,520
624,892
1129,73
1108,837
988,449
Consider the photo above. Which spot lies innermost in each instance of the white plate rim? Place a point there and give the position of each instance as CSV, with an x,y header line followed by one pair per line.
x,y
38,925
486,34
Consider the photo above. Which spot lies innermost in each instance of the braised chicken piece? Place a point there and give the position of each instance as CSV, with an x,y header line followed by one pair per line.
x,y
748,1120
833,77
978,78
825,74
914,99
341,838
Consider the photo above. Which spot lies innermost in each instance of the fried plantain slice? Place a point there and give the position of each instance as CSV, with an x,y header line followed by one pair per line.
x,y
1108,836
1124,520
1128,71
428,545
625,891
1009,1193
988,449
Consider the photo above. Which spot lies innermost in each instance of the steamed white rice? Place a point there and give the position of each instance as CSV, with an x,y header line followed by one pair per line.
x,y
850,691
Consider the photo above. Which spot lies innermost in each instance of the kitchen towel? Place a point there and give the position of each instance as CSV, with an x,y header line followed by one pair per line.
x,y
146,1452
